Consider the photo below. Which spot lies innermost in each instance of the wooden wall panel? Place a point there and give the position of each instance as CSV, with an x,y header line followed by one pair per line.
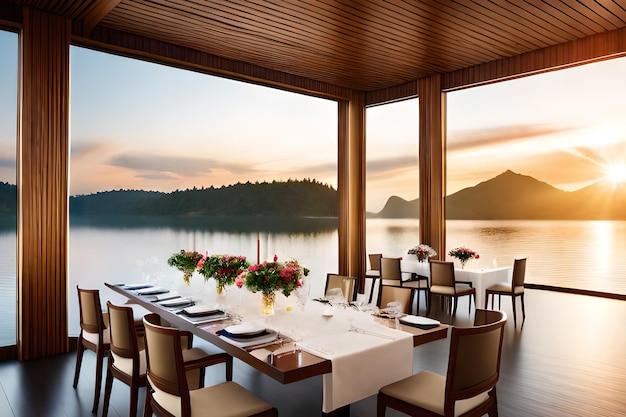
x,y
110,40
351,187
432,163
389,95
593,48
43,153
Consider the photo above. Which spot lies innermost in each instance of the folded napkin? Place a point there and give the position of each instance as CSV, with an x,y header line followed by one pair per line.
x,y
152,291
176,302
242,341
201,311
137,286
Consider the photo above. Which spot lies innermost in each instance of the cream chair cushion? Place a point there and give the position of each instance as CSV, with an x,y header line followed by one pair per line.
x,y
427,390
227,399
93,337
126,364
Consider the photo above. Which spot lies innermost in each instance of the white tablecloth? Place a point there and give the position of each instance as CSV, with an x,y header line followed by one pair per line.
x,y
363,361
481,279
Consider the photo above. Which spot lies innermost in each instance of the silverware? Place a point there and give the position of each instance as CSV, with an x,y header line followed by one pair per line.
x,y
262,345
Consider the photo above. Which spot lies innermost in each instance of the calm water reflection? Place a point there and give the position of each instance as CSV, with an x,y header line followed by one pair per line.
x,y
579,254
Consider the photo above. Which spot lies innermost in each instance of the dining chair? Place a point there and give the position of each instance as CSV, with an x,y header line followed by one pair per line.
x,y
94,335
514,289
391,274
389,293
127,357
374,272
469,386
346,284
443,284
168,393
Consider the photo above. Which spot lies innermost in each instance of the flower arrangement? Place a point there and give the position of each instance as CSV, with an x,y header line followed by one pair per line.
x,y
223,268
185,261
422,251
463,254
269,277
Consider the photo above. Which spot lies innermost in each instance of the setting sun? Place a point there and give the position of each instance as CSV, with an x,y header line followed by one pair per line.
x,y
616,172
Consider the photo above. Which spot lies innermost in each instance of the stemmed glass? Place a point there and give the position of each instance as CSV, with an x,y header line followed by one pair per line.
x,y
302,294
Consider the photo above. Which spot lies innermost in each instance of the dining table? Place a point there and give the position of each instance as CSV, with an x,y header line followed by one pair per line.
x,y
479,278
355,351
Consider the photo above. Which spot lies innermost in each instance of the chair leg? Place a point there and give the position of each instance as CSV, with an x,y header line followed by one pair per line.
x,y
486,299
134,397
429,303
514,312
523,308
108,386
96,395
147,408
79,360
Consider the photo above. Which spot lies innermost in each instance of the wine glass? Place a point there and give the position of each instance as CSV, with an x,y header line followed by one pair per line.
x,y
302,294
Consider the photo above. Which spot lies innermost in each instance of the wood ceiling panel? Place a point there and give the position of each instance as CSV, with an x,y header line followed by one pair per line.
x,y
363,45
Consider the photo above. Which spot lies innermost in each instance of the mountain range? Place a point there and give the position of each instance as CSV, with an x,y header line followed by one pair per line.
x,y
515,196
506,196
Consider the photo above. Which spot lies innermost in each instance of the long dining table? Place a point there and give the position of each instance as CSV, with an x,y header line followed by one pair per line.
x,y
480,278
332,341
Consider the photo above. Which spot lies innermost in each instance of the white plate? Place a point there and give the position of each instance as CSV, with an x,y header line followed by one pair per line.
x,y
420,321
201,309
245,329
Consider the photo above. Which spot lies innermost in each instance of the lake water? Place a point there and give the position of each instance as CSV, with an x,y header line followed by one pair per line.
x,y
578,254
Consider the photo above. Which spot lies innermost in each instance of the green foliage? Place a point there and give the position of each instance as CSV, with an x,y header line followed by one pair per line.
x,y
289,198
185,261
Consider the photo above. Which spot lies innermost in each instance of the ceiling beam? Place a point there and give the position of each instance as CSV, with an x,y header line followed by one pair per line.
x,y
96,12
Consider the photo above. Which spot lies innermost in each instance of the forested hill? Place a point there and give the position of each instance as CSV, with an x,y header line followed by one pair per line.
x,y
8,198
290,198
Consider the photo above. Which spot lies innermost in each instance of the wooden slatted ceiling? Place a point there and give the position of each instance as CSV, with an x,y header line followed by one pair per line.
x,y
363,45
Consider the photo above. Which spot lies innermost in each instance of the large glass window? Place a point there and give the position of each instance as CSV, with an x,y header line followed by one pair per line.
x,y
537,168
392,178
8,189
183,142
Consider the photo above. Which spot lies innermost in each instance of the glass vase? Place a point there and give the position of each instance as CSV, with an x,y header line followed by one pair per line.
x,y
267,303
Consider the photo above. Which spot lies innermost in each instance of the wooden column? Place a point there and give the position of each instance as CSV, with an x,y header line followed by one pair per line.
x,y
43,185
432,163
351,186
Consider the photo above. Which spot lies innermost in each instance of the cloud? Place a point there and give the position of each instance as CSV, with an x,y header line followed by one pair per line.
x,y
165,166
462,140
382,166
7,163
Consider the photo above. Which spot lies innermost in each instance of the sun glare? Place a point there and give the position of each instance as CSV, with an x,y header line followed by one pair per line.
x,y
616,172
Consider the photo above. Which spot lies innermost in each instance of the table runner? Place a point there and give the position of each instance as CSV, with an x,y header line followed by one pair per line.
x,y
363,360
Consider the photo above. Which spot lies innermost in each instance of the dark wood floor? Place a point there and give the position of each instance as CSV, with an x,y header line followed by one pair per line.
x,y
569,360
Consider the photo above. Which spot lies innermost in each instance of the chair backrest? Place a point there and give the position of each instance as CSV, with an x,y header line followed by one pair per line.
x,y
390,269
442,273
388,293
91,319
519,272
474,359
343,282
375,261
124,341
166,370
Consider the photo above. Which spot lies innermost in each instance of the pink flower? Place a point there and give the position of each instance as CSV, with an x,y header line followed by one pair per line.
x,y
477,256
254,267
239,281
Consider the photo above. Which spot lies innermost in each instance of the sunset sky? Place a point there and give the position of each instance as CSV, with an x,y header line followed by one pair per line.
x,y
144,126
